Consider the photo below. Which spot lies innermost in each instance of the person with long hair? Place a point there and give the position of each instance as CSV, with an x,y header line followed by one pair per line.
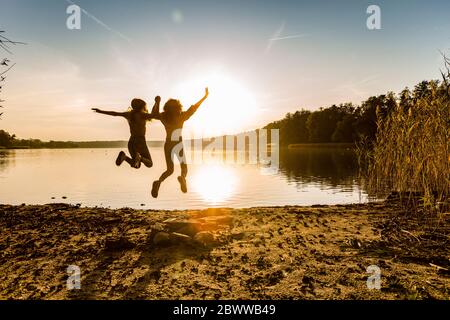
x,y
173,119
137,119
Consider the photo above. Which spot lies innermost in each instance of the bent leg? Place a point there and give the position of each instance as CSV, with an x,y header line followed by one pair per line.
x,y
167,173
129,161
133,152
145,154
169,162
183,164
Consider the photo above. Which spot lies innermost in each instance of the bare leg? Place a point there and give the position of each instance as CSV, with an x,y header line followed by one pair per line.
x,y
147,162
129,161
165,174
142,148
133,147
184,170
168,172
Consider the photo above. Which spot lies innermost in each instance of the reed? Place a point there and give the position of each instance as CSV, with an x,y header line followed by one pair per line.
x,y
411,155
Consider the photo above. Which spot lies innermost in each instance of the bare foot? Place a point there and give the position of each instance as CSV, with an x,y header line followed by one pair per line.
x,y
120,158
155,188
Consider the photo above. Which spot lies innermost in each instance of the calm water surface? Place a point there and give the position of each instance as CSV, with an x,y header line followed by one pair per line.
x,y
90,177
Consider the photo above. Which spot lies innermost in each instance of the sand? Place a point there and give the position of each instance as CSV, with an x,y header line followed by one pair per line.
x,y
319,252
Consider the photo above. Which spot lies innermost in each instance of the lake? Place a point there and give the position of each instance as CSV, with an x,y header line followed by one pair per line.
x,y
89,177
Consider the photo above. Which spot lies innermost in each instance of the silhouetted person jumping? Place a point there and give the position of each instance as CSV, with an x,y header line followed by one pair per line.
x,y
137,119
173,119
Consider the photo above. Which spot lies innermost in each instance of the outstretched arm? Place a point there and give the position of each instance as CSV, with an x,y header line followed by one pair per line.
x,y
110,113
194,107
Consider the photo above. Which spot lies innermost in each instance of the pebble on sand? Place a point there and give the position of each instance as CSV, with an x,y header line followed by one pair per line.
x,y
161,239
204,237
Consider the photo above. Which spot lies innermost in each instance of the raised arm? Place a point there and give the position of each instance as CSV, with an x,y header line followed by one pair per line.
x,y
111,113
194,107
155,110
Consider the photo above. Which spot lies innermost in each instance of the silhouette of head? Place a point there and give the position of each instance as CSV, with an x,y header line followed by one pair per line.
x,y
173,106
138,105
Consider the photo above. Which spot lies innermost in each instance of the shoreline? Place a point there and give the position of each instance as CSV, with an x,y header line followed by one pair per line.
x,y
291,252
160,143
331,145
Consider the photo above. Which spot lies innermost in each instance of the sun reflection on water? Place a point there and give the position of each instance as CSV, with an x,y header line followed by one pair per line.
x,y
215,183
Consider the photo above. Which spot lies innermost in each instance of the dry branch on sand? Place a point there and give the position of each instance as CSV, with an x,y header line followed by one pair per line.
x,y
6,64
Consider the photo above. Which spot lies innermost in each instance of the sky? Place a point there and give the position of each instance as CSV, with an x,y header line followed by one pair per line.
x,y
260,60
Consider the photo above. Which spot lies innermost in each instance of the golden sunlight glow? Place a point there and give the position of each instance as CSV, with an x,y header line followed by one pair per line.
x,y
228,109
214,183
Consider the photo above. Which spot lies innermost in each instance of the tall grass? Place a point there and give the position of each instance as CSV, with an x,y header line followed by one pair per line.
x,y
411,154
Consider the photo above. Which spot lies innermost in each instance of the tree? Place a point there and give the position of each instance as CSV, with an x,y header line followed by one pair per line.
x,y
292,128
345,130
6,140
323,123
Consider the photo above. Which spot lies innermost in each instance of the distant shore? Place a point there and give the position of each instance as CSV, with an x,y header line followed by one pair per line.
x,y
123,144
318,252
78,145
322,145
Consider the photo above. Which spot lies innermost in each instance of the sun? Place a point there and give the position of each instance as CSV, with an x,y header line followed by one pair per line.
x,y
229,109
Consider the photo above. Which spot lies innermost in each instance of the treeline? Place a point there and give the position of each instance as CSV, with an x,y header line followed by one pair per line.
x,y
8,140
349,123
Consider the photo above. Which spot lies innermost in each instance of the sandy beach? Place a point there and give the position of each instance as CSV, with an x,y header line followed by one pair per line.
x,y
319,252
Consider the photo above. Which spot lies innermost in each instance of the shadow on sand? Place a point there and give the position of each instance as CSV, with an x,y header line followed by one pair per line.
x,y
116,275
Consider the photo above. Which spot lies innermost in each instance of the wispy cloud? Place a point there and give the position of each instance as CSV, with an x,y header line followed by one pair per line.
x,y
101,23
278,35
356,88
369,79
300,35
